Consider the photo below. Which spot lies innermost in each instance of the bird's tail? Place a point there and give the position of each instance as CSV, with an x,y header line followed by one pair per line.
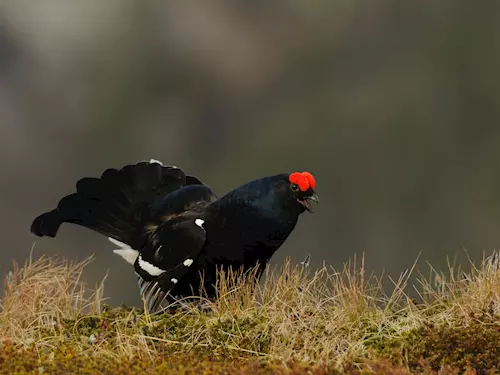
x,y
114,204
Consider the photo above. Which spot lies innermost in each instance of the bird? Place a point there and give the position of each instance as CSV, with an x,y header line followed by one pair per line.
x,y
176,232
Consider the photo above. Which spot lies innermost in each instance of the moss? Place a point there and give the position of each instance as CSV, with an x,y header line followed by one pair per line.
x,y
15,359
472,343
231,337
64,359
394,347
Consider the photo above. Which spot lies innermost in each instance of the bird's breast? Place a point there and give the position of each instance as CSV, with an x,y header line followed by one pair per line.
x,y
245,239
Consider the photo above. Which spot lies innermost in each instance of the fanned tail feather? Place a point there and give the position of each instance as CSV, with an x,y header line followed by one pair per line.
x,y
115,203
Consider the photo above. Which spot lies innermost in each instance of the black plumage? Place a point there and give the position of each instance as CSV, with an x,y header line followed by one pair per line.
x,y
174,229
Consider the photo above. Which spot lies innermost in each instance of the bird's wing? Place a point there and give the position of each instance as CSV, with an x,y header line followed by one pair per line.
x,y
168,258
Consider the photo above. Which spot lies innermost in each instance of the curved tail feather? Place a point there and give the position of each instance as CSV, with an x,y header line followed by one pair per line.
x,y
47,224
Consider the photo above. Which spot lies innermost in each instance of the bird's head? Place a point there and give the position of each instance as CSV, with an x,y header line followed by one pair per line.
x,y
284,194
296,191
302,190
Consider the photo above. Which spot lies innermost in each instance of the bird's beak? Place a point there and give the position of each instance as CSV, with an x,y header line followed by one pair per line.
x,y
307,201
313,198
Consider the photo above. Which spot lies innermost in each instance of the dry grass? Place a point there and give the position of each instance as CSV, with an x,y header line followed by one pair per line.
x,y
325,319
41,295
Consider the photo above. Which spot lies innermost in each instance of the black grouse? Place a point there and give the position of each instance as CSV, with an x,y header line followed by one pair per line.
x,y
175,231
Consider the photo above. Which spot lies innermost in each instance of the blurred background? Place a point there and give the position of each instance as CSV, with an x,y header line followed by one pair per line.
x,y
393,106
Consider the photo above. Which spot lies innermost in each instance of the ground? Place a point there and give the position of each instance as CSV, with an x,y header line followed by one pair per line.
x,y
296,322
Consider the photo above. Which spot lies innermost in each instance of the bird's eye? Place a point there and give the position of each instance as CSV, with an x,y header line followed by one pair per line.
x,y
294,187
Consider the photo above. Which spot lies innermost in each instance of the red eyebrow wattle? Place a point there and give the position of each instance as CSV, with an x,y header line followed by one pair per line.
x,y
304,180
311,179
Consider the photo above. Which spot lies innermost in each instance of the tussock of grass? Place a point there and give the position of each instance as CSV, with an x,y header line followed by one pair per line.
x,y
297,321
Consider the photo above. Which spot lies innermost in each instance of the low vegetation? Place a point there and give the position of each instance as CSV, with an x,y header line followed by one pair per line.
x,y
297,321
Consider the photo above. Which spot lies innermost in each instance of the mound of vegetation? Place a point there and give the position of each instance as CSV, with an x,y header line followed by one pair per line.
x,y
296,322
